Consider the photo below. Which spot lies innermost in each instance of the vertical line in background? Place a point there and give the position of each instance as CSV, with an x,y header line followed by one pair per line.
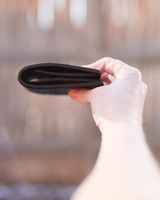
x,y
45,15
124,12
78,13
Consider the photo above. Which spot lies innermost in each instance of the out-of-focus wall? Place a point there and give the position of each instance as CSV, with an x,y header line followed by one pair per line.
x,y
51,138
121,28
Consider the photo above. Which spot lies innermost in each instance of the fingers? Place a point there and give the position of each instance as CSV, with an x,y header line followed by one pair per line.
x,y
114,67
108,67
96,65
106,78
100,65
80,95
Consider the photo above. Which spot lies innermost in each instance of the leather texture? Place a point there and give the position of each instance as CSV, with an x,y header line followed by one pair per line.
x,y
57,78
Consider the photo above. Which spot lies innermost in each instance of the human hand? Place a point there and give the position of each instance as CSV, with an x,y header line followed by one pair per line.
x,y
121,99
120,166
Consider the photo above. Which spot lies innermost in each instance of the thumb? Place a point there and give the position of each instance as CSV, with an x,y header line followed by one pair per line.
x,y
80,95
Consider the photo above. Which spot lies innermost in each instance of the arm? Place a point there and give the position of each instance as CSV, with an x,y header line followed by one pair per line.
x,y
125,168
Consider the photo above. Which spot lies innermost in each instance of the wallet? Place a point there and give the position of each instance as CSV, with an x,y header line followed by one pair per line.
x,y
57,78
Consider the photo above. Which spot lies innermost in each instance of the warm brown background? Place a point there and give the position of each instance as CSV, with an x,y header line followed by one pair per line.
x,y
51,139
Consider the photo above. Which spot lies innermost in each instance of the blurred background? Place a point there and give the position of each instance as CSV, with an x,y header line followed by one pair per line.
x,y
48,143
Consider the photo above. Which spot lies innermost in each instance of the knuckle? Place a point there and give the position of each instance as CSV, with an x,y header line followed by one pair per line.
x,y
120,61
137,73
108,59
145,87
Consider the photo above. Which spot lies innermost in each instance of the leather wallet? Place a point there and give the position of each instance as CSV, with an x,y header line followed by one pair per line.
x,y
56,78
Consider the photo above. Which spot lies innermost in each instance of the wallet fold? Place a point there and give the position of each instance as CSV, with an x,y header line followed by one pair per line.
x,y
57,78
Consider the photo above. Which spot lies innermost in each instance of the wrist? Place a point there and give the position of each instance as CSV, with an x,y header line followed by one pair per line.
x,y
126,115
120,127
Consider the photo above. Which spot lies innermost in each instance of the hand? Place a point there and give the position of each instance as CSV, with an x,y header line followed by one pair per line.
x,y
124,163
121,99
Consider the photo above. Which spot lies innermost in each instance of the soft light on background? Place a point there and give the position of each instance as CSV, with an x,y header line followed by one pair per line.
x,y
51,139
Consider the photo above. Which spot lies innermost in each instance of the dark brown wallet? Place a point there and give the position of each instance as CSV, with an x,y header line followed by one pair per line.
x,y
56,78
